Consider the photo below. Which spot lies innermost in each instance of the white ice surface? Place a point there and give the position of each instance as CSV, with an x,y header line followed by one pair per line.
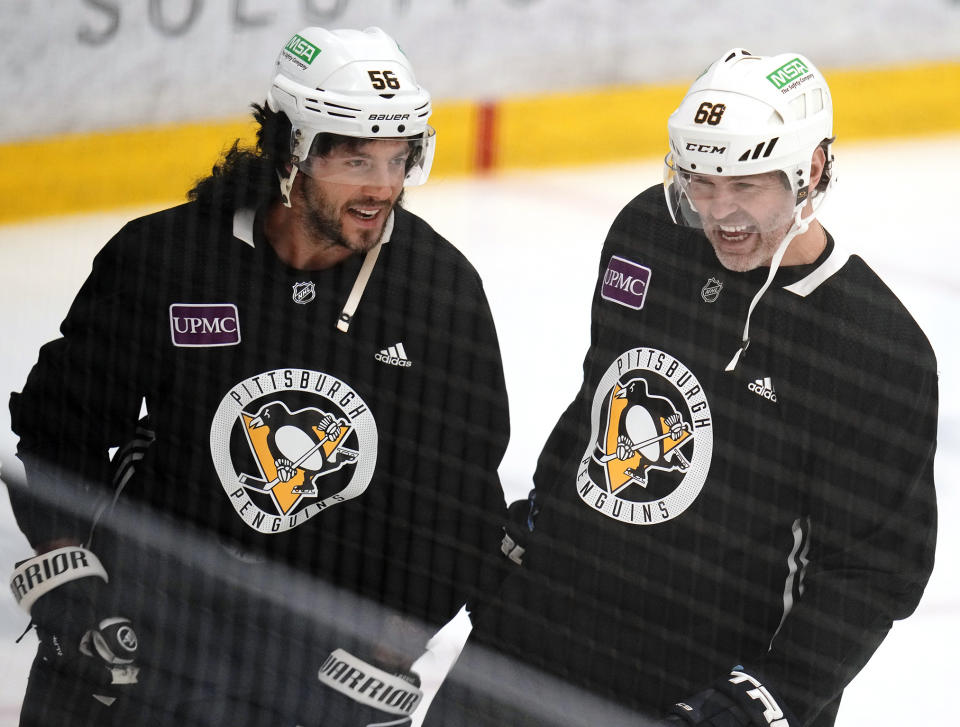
x,y
535,238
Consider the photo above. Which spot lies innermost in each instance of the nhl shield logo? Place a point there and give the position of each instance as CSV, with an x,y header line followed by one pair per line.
x,y
304,292
288,444
652,440
711,290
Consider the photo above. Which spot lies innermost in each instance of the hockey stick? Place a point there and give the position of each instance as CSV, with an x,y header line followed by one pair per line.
x,y
607,457
244,479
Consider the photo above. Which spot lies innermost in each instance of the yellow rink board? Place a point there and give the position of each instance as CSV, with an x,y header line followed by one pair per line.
x,y
103,170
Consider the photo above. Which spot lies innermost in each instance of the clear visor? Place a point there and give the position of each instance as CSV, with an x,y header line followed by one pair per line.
x,y
371,162
742,204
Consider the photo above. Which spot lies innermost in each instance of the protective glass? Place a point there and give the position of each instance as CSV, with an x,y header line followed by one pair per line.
x,y
376,162
750,203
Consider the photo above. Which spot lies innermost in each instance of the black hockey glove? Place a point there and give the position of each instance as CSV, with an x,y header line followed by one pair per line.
x,y
361,694
62,591
521,517
739,700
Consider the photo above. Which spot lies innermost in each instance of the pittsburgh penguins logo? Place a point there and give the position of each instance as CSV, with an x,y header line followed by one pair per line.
x,y
652,440
289,443
296,448
645,431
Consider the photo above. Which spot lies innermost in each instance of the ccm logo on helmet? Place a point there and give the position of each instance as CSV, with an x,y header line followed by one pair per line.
x,y
705,148
388,117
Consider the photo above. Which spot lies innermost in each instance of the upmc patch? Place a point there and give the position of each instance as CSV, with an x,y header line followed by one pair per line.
x,y
204,324
625,282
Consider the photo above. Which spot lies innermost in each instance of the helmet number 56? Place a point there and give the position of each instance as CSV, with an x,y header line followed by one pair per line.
x,y
383,79
709,113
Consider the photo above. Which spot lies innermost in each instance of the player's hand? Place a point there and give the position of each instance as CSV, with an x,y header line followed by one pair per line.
x,y
64,591
356,692
521,517
709,708
738,700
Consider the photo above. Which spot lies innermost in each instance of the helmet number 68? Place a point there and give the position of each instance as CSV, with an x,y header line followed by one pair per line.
x,y
383,79
709,113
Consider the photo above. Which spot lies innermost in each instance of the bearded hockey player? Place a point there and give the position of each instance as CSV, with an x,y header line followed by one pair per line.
x,y
740,500
304,383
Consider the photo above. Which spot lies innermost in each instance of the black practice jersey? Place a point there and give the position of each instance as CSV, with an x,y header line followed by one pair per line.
x,y
779,515
364,457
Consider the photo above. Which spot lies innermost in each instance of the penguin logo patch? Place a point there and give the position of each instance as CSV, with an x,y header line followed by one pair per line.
x,y
652,440
288,444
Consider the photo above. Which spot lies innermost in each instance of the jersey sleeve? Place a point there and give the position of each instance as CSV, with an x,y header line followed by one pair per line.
x,y
81,398
871,523
565,438
462,432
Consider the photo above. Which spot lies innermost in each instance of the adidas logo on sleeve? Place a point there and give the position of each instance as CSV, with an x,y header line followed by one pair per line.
x,y
763,387
394,355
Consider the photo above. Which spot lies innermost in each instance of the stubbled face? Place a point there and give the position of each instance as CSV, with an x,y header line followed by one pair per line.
x,y
349,193
744,218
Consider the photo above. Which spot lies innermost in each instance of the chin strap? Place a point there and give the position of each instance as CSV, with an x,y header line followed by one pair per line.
x,y
286,184
363,277
798,227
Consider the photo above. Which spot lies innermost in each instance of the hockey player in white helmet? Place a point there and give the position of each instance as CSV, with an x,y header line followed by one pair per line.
x,y
750,160
734,560
354,83
304,383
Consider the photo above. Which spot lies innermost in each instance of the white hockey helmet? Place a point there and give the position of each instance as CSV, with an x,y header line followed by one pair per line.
x,y
749,114
351,83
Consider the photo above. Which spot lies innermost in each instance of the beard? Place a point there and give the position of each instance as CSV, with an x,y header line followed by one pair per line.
x,y
323,219
758,248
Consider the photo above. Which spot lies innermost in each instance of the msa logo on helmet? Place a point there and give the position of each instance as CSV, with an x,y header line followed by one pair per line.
x,y
788,72
302,49
388,117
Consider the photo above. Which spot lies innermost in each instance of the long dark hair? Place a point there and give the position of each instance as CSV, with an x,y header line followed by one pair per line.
x,y
245,177
249,178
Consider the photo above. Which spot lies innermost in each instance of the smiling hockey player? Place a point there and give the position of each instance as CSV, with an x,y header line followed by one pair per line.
x,y
305,383
748,582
